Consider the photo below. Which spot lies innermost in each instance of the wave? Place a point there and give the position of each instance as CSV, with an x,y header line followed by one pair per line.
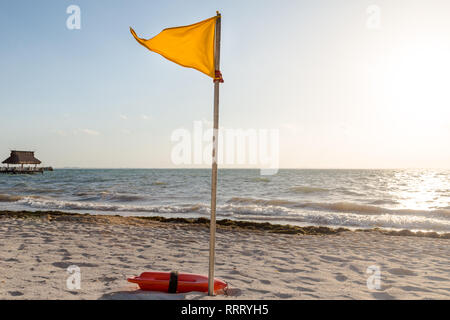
x,y
238,204
351,220
349,207
125,197
342,207
108,196
332,218
345,214
350,192
202,208
380,202
307,190
41,190
256,212
260,201
9,198
77,205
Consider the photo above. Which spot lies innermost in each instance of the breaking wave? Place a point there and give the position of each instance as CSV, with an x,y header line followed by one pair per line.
x,y
78,205
108,196
256,211
260,201
319,209
125,197
343,207
323,214
9,198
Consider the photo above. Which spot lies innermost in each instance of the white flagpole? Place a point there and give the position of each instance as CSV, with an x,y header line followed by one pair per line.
x,y
212,240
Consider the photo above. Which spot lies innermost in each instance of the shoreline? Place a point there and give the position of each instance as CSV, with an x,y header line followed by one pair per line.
x,y
225,224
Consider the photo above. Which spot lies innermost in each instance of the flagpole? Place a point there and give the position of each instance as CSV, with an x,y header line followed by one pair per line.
x,y
212,240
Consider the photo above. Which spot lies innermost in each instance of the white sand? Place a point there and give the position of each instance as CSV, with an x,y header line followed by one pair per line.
x,y
35,254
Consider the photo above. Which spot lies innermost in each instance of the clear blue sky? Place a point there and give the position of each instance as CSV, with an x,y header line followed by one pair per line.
x,y
340,94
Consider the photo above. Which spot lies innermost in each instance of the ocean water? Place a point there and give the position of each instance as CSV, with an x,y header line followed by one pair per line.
x,y
391,199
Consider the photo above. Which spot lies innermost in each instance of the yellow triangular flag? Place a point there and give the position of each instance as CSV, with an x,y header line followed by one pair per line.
x,y
189,46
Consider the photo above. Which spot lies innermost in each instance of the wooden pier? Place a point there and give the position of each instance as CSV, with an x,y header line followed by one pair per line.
x,y
20,170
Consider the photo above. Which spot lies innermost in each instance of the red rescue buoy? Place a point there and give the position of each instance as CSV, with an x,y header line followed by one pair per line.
x,y
173,282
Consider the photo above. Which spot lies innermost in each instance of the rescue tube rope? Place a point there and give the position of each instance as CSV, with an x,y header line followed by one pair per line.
x,y
173,283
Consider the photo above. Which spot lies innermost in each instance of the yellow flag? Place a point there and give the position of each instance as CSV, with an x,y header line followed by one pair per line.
x,y
189,46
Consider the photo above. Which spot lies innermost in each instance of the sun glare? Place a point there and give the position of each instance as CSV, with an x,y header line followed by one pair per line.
x,y
415,79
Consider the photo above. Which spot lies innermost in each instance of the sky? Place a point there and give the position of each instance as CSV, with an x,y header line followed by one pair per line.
x,y
347,84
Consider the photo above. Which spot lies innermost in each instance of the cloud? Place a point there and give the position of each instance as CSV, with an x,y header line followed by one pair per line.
x,y
90,132
122,116
145,117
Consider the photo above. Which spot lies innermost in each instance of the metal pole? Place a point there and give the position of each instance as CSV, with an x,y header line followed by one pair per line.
x,y
212,240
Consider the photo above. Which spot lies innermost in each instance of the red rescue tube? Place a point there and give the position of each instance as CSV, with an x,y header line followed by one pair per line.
x,y
187,282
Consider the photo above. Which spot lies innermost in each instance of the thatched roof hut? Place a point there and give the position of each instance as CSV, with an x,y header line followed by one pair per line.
x,y
22,157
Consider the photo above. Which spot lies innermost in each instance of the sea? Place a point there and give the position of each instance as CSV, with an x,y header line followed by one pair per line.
x,y
413,199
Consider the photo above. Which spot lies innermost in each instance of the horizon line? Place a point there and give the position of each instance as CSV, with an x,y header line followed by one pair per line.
x,y
209,168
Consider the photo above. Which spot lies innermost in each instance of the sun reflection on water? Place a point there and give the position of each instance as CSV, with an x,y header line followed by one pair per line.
x,y
421,190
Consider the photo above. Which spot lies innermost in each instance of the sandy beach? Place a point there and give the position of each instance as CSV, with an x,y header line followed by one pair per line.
x,y
37,249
